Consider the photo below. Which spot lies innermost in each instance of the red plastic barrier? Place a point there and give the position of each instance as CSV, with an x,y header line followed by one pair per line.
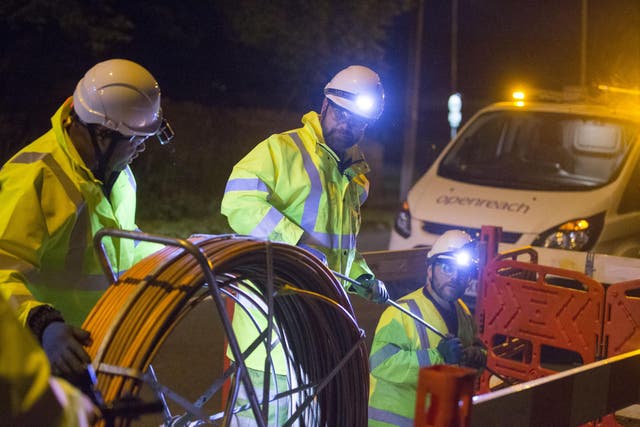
x,y
622,318
519,302
443,396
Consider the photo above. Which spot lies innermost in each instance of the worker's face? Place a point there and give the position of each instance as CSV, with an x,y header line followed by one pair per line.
x,y
126,149
447,280
341,128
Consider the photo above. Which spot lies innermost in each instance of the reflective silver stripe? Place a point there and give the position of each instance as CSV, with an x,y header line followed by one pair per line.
x,y
29,157
324,239
349,241
423,358
64,280
376,414
137,242
311,205
78,240
382,355
72,192
333,241
11,263
246,184
132,179
422,331
363,195
268,223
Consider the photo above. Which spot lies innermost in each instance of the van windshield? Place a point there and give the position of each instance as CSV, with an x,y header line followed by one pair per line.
x,y
540,151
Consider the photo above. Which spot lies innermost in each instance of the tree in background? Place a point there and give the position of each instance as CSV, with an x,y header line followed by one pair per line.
x,y
305,43
46,45
242,53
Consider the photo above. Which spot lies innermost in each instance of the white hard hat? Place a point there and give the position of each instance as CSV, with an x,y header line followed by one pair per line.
x,y
123,96
358,90
448,243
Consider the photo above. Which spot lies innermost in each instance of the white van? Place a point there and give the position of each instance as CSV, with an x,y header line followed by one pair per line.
x,y
556,175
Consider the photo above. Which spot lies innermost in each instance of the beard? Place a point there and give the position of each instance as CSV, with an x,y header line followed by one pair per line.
x,y
340,140
449,290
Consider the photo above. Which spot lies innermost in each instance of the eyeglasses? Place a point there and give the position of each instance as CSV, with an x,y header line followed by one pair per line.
x,y
117,136
165,134
451,268
343,115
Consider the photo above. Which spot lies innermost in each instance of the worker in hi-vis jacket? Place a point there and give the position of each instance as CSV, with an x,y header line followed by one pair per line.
x,y
402,345
58,191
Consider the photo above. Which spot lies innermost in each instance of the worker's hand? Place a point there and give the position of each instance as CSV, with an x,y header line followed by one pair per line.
x,y
450,347
315,252
63,345
474,357
371,289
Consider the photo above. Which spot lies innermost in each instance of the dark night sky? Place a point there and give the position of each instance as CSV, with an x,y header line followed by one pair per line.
x,y
532,42
500,43
503,43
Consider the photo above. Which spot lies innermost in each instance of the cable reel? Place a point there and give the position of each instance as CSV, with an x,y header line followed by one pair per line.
x,y
297,312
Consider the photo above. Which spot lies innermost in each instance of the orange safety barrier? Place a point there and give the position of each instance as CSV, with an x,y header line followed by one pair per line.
x,y
523,306
444,396
526,306
622,318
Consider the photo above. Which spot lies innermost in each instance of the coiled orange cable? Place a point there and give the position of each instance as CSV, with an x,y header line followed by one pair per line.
x,y
136,314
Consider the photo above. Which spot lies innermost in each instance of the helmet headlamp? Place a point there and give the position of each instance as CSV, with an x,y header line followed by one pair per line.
x,y
461,260
364,102
358,90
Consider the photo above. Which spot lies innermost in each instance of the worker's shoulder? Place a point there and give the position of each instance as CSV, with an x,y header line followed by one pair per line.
x,y
42,154
288,140
412,297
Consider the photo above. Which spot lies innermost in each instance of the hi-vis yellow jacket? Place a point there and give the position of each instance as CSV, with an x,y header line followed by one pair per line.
x,y
401,346
30,396
51,206
291,185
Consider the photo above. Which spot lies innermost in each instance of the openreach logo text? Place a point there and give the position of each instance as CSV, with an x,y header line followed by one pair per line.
x,y
476,202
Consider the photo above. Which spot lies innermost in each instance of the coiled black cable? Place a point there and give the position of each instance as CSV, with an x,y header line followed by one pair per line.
x,y
312,313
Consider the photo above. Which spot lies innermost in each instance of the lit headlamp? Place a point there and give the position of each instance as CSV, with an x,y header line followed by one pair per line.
x,y
463,259
364,102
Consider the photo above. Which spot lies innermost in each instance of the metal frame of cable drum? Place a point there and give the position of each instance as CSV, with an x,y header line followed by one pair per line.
x,y
303,303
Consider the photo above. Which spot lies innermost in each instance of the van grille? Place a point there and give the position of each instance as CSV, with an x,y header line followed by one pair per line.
x,y
436,228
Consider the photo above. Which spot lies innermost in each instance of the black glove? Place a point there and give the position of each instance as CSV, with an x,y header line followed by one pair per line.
x,y
450,347
371,289
63,345
474,357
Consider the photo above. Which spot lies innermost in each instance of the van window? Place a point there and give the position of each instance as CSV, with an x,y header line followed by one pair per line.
x,y
539,151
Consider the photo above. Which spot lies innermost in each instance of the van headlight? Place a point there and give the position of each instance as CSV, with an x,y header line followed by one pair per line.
x,y
402,224
576,235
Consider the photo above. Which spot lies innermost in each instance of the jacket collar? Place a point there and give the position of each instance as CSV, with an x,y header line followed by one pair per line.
x,y
58,124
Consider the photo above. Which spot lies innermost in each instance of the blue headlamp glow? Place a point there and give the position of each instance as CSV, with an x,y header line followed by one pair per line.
x,y
463,260
365,102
